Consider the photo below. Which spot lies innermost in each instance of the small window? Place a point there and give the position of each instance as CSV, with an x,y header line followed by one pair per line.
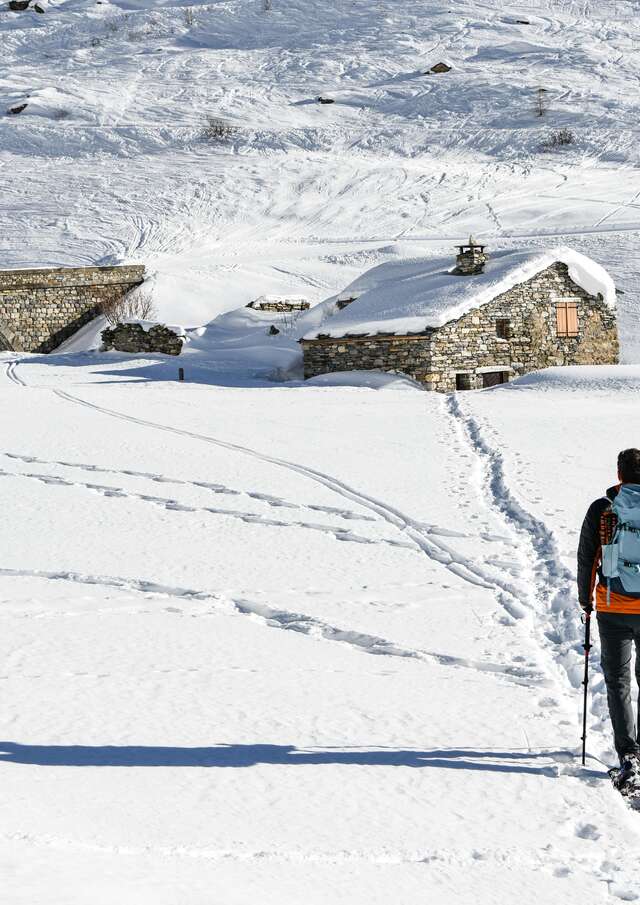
x,y
503,328
463,381
567,319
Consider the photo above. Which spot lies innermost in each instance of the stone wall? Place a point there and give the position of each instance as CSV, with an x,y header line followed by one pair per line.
x,y
471,344
39,309
406,354
134,338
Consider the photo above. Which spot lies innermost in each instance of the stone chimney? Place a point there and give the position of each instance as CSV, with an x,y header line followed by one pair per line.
x,y
470,259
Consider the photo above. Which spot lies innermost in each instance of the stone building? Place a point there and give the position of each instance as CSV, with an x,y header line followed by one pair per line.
x,y
473,325
39,309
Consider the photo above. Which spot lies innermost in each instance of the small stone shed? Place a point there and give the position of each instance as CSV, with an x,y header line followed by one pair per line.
x,y
41,308
280,303
472,324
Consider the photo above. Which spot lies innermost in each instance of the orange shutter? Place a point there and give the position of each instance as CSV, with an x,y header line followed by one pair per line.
x,y
572,320
561,319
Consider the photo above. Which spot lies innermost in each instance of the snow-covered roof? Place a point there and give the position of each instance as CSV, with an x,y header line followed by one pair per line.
x,y
278,299
409,296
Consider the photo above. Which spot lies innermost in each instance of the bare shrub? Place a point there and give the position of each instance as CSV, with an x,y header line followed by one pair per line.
x,y
188,16
288,320
267,5
136,305
218,130
558,139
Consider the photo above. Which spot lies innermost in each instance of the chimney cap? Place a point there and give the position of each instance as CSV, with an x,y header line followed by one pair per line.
x,y
471,246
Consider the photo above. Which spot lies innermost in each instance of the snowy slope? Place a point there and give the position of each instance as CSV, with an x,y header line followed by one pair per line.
x,y
245,659
108,163
305,643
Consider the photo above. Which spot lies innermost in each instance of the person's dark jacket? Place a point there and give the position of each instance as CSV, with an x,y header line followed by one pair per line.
x,y
589,552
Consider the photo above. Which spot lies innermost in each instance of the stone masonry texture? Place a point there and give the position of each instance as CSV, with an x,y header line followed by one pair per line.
x,y
39,309
471,343
134,338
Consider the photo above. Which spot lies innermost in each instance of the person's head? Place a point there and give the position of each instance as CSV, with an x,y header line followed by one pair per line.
x,y
629,466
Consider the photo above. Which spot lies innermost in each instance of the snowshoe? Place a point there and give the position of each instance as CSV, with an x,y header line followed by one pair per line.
x,y
626,779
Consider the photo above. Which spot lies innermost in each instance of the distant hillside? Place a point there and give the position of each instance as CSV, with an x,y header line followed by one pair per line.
x,y
109,160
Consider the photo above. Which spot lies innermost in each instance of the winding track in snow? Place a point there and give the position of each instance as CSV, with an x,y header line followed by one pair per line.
x,y
552,593
434,549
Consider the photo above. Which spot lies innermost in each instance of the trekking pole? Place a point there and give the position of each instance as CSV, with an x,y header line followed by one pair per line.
x,y
585,681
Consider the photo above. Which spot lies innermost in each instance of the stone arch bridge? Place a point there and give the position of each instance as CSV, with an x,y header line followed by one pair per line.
x,y
39,309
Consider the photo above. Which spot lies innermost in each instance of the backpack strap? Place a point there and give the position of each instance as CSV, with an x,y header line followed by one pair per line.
x,y
608,530
608,526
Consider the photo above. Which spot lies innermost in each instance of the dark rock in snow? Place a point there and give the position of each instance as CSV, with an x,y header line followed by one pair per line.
x,y
18,5
273,330
326,100
440,67
18,109
40,6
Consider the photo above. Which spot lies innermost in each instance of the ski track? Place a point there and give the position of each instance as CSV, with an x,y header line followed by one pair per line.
x,y
533,859
284,620
339,533
421,535
500,582
215,488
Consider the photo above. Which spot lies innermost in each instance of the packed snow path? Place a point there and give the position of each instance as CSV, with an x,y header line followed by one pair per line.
x,y
192,710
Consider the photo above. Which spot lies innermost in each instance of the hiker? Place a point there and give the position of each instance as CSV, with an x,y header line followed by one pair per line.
x,y
609,563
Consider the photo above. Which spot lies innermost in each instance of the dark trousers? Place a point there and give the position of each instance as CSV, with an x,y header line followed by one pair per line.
x,y
618,633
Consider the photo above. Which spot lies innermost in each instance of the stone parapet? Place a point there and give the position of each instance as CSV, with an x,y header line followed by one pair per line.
x,y
53,278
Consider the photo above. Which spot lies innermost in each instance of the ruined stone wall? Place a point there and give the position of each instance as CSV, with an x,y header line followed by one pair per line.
x,y
39,309
134,338
472,343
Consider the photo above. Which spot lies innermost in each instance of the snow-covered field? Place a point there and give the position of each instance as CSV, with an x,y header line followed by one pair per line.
x,y
245,659
286,643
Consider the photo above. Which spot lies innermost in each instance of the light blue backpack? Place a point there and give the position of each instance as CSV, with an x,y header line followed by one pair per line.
x,y
621,558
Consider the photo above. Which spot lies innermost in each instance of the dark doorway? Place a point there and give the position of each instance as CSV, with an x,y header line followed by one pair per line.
x,y
494,378
463,381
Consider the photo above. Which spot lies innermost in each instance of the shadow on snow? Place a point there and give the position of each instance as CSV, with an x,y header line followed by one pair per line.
x,y
279,755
